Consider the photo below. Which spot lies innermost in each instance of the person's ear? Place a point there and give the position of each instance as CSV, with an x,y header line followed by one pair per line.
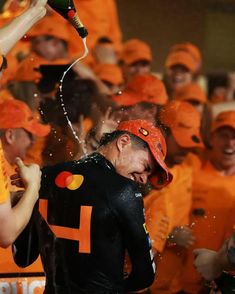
x,y
10,136
123,141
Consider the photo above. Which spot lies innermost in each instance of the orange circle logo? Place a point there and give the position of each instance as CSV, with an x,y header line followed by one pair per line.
x,y
66,179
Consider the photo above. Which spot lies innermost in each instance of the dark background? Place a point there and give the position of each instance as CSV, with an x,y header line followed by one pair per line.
x,y
210,24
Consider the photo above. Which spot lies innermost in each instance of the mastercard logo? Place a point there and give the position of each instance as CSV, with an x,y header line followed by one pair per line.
x,y
66,179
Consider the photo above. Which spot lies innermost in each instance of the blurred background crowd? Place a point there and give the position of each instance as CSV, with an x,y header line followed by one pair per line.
x,y
124,77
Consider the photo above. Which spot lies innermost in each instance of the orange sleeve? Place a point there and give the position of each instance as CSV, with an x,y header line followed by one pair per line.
x,y
158,216
4,190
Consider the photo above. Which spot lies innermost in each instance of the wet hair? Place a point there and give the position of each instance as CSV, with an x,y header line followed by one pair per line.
x,y
110,137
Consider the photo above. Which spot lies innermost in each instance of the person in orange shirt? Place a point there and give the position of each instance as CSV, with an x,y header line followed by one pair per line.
x,y
100,17
16,123
168,210
182,65
18,127
194,94
213,202
136,58
16,28
49,45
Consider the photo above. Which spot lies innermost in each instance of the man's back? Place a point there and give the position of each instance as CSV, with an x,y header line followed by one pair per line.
x,y
95,215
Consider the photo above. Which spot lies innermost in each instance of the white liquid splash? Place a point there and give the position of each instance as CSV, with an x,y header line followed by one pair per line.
x,y
61,88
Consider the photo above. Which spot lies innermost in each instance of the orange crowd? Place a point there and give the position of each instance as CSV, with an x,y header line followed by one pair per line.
x,y
116,82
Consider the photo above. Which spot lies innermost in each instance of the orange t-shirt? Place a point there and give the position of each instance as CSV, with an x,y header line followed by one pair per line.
x,y
212,217
4,188
169,208
7,264
173,203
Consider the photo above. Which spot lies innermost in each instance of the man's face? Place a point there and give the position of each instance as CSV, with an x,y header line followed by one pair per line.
x,y
175,153
21,143
178,76
49,47
135,163
137,68
223,147
197,105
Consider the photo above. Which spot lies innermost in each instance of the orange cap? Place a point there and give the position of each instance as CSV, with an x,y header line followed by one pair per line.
x,y
182,58
144,87
49,26
156,142
190,48
191,92
16,114
136,50
224,119
110,73
184,121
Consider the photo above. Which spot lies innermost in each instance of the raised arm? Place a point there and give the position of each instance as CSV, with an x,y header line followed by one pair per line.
x,y
11,33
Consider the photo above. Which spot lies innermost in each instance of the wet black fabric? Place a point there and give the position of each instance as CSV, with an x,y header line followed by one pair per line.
x,y
117,224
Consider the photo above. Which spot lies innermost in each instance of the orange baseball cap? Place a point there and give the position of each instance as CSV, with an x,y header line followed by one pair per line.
x,y
224,119
135,50
16,114
110,73
191,92
153,137
182,58
144,87
51,27
184,121
190,48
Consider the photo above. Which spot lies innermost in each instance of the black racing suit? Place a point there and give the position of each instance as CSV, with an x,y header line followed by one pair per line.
x,y
92,263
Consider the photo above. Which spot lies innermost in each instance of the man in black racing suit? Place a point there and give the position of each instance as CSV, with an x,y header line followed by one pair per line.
x,y
91,211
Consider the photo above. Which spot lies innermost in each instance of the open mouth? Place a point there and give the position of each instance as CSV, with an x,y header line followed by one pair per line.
x,y
229,152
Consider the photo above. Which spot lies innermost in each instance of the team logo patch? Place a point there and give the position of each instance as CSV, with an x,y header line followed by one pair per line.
x,y
143,132
67,180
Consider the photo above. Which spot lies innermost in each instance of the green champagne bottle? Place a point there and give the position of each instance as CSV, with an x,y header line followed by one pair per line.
x,y
66,8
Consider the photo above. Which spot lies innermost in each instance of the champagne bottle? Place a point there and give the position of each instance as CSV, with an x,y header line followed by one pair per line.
x,y
66,8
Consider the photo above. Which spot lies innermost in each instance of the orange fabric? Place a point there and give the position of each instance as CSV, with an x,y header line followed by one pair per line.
x,y
191,92
184,121
17,114
144,87
50,26
166,209
135,50
5,95
82,234
19,52
7,264
110,73
4,188
156,143
224,119
105,23
212,217
181,58
88,124
190,48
